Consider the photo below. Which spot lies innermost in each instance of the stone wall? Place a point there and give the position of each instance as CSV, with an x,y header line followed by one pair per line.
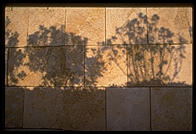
x,y
98,68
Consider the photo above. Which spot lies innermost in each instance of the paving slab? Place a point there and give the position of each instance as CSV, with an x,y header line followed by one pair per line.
x,y
46,66
128,109
14,103
83,109
87,23
174,21
41,106
126,24
105,66
16,26
171,109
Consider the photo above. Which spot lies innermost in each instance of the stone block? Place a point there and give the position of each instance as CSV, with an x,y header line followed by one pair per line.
x,y
171,109
14,103
46,26
46,66
158,65
83,109
175,22
105,66
126,24
87,23
16,26
41,107
128,109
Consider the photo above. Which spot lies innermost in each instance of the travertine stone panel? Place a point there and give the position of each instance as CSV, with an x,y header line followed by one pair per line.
x,y
83,109
6,53
50,21
14,101
46,66
16,26
171,109
128,109
41,107
176,20
147,67
86,22
128,24
105,66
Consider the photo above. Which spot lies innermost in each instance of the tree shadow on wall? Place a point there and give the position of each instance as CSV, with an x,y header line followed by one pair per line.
x,y
53,59
152,57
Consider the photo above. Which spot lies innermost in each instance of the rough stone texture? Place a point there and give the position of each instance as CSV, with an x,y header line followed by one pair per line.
x,y
41,106
118,17
6,53
49,66
177,20
128,109
105,66
178,67
14,101
51,18
87,22
171,109
82,109
16,26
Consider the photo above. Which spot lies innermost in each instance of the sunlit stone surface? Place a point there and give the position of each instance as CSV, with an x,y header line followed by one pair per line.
x,y
87,22
118,17
16,26
177,19
171,109
105,66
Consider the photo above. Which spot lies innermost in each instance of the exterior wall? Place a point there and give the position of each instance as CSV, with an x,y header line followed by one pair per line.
x,y
98,68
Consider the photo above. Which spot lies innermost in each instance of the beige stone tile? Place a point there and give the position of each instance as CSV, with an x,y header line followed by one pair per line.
x,y
46,66
46,24
126,25
6,53
41,106
105,66
128,109
171,109
14,101
177,20
83,109
16,26
87,23
176,62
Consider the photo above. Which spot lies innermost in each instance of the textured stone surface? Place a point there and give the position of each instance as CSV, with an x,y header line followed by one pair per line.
x,y
16,26
41,106
58,66
6,53
128,109
176,61
82,109
51,18
119,17
171,109
105,66
14,101
177,20
87,22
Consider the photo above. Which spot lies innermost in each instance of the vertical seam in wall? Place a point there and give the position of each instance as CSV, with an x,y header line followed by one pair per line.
x,y
147,25
7,66
150,108
105,88
28,26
